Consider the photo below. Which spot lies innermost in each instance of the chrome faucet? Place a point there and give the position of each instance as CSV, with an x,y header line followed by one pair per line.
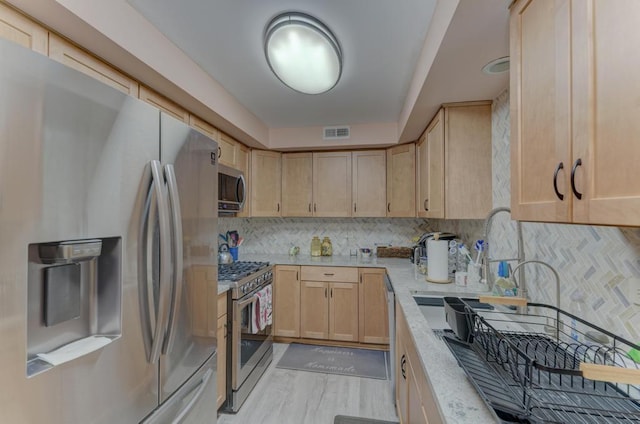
x,y
555,274
487,260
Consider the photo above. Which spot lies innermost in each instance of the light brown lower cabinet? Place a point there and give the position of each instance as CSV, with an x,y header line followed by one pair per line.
x,y
329,303
286,301
373,319
415,402
221,334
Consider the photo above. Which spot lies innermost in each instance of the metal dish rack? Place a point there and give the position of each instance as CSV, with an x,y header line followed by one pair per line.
x,y
526,367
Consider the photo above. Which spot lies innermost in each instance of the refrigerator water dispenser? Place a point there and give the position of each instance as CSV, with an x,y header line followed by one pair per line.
x,y
74,300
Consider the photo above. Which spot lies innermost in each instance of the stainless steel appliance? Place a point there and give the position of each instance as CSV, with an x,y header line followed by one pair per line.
x,y
103,202
250,349
231,191
391,309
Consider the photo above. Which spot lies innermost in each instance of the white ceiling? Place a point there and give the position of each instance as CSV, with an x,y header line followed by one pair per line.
x,y
381,41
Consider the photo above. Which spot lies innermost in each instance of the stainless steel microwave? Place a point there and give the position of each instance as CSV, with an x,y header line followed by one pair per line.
x,y
231,190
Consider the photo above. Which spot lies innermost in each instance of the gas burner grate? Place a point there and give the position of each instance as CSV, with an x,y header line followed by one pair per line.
x,y
238,270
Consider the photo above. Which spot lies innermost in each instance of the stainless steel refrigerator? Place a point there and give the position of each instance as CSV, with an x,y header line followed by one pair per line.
x,y
108,254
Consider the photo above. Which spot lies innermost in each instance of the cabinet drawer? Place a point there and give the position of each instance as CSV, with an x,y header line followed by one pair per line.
x,y
222,304
329,273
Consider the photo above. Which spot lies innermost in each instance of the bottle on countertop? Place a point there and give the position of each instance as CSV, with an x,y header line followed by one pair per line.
x,y
326,247
316,249
504,286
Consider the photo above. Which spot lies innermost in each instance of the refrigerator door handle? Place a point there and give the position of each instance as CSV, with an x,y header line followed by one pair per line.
x,y
162,315
189,406
176,221
145,238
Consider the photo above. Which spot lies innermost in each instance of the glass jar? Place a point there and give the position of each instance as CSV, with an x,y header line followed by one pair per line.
x,y
315,246
326,248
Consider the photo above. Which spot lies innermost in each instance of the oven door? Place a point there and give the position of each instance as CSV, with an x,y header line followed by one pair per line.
x,y
249,343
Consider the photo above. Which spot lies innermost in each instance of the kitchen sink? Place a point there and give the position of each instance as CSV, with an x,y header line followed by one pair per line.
x,y
432,307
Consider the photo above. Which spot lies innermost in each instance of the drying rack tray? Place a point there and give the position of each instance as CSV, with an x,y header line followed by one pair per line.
x,y
529,376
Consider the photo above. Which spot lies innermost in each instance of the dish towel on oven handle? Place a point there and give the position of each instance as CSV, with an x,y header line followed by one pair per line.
x,y
263,309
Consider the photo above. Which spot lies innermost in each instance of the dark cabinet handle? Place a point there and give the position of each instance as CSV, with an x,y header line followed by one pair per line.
x,y
219,152
278,207
388,207
426,202
331,292
555,181
576,164
309,207
325,292
355,208
314,207
403,366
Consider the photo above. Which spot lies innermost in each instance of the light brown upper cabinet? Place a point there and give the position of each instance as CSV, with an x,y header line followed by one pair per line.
x,y
454,176
76,58
401,181
244,165
16,27
164,104
266,183
203,126
369,183
297,184
332,184
575,133
228,149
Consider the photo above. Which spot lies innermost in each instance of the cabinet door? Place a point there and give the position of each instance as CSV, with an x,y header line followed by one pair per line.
x,y
203,126
541,111
266,183
228,150
343,311
373,320
402,381
332,184
76,58
433,202
422,176
369,183
221,378
164,104
297,184
286,301
244,165
416,411
401,181
314,310
467,147
18,28
606,128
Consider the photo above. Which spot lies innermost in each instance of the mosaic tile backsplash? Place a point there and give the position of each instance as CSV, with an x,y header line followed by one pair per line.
x,y
600,263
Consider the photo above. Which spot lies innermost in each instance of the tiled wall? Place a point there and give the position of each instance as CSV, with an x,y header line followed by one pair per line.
x,y
603,263
277,235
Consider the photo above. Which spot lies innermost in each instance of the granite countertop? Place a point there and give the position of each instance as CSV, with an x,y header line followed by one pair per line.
x,y
458,400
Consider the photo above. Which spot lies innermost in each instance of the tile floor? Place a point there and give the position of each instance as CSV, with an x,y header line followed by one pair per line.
x,y
298,397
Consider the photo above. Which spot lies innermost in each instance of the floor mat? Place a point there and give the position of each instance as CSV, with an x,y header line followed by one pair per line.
x,y
343,419
335,360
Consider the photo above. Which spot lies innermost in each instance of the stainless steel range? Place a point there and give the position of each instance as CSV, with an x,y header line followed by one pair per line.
x,y
250,347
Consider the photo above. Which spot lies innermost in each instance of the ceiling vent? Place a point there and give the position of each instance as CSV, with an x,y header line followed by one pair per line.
x,y
336,133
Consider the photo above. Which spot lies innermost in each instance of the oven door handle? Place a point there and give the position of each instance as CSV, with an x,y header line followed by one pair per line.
x,y
241,305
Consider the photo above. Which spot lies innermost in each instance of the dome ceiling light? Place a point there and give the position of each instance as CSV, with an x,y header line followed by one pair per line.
x,y
303,53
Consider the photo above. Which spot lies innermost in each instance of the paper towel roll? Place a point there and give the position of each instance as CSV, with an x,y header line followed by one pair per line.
x,y
438,261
